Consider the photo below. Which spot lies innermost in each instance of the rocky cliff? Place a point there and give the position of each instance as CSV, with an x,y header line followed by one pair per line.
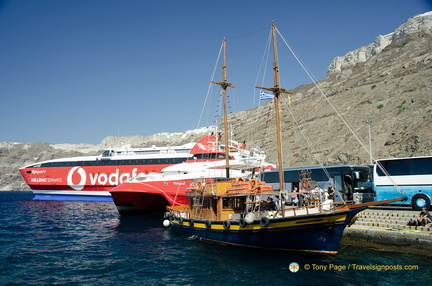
x,y
387,82
417,23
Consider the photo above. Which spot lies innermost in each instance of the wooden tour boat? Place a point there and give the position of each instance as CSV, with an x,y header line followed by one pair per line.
x,y
237,211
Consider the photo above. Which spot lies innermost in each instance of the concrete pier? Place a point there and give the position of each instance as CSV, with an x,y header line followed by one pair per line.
x,y
385,228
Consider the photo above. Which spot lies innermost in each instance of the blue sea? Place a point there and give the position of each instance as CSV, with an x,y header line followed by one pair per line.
x,y
89,243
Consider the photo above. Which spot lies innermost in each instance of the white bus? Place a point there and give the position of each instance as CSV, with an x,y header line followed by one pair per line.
x,y
412,175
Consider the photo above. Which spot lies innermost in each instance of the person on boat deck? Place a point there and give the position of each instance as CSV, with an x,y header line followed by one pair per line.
x,y
271,203
277,202
330,190
333,192
424,217
294,197
264,205
302,197
321,193
307,196
318,195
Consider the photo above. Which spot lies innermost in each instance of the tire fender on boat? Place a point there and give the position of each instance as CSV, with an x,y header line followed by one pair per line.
x,y
191,222
226,224
208,224
242,222
180,220
264,221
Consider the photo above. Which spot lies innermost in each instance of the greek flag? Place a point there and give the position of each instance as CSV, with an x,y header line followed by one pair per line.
x,y
264,95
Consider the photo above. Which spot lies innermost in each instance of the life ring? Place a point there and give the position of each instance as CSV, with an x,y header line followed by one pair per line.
x,y
254,184
242,223
208,224
200,185
264,221
306,184
241,179
226,224
191,222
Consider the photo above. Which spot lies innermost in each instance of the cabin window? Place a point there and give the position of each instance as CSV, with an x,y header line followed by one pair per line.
x,y
234,202
106,153
206,203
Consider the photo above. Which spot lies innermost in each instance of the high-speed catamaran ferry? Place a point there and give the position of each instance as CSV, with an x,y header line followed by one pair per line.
x,y
91,177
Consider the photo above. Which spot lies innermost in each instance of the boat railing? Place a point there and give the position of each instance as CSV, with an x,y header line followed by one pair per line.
x,y
184,211
324,207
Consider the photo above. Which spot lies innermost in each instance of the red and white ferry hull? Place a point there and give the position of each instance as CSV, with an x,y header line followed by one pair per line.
x,y
79,182
153,197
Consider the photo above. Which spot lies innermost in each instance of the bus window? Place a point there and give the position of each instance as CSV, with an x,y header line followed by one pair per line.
x,y
411,175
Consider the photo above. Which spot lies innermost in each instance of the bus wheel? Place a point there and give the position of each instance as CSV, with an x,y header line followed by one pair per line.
x,y
420,201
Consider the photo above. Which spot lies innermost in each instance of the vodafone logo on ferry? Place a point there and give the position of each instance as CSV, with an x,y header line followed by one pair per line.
x,y
82,181
77,178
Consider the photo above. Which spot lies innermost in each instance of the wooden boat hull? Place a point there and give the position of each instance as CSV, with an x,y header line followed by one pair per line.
x,y
311,233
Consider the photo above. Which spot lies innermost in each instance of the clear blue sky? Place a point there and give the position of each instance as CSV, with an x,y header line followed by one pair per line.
x,y
76,71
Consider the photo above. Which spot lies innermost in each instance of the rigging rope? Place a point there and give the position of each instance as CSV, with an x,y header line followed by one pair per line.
x,y
210,85
335,110
265,58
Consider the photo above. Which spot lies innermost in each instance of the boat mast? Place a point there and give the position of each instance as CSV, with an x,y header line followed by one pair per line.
x,y
277,91
225,84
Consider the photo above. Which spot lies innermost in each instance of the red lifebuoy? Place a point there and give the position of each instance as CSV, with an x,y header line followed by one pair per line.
x,y
254,183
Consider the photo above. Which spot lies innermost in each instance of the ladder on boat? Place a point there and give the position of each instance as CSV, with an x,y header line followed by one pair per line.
x,y
198,200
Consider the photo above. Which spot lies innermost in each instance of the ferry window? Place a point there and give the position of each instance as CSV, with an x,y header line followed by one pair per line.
x,y
106,153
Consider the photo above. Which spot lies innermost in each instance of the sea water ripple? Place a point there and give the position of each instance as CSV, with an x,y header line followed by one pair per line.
x,y
89,243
